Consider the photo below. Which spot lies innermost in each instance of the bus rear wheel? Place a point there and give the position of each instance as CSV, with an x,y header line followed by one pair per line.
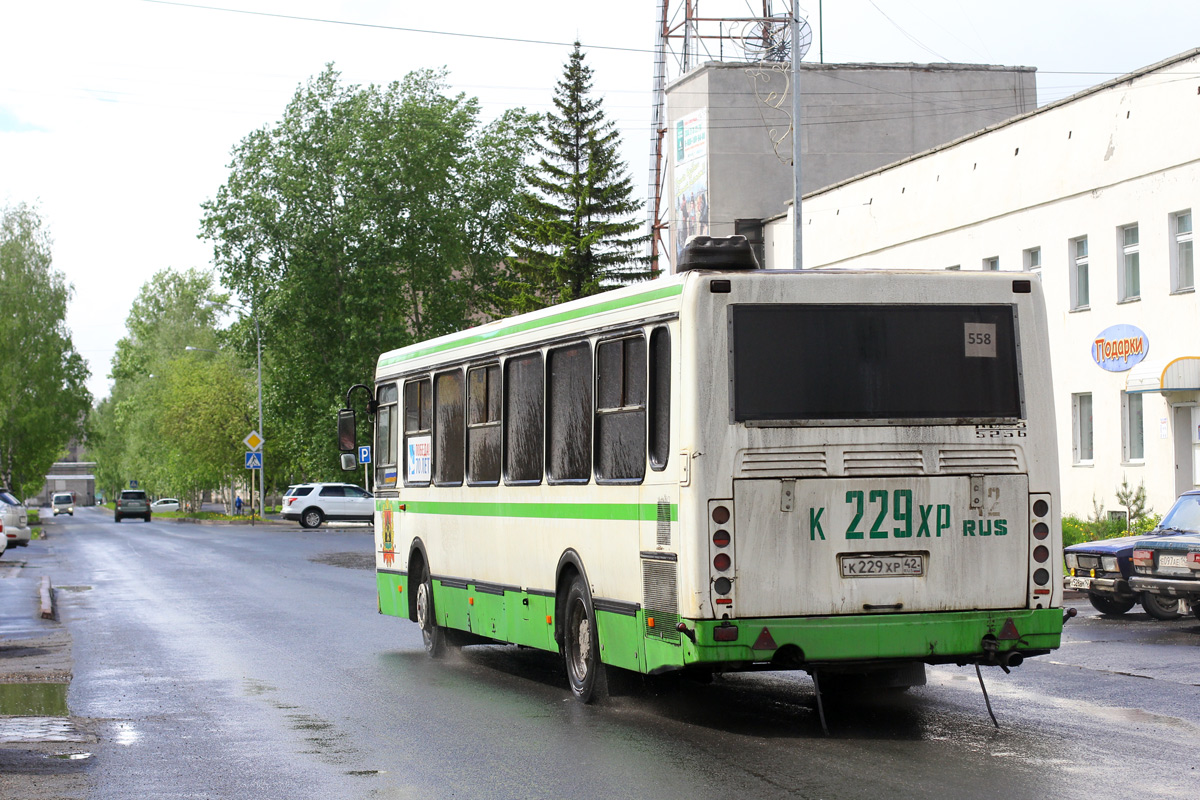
x,y
433,637
581,648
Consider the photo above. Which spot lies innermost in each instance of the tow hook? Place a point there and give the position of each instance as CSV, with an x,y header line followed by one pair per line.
x,y
1069,613
686,631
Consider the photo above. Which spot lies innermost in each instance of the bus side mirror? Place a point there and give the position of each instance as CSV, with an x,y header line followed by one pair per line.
x,y
347,425
349,462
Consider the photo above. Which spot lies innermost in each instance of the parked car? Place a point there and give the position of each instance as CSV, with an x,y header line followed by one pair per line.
x,y
132,503
63,503
165,504
1168,567
312,503
15,519
1103,568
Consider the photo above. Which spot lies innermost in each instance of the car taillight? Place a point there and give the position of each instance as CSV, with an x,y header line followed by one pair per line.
x,y
1143,558
1193,559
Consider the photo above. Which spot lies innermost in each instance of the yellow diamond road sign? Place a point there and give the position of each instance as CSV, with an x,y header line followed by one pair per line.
x,y
253,441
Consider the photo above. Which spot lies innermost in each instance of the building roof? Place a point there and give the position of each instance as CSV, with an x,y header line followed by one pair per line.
x,y
1127,78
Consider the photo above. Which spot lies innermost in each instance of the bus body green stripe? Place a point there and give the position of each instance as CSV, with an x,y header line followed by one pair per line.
x,y
528,325
632,512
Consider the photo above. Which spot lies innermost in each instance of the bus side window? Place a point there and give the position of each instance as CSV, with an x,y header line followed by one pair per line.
x,y
524,406
569,414
660,398
385,435
449,428
621,410
483,426
418,423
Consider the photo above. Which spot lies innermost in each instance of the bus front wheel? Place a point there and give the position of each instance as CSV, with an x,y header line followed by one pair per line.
x,y
581,650
433,637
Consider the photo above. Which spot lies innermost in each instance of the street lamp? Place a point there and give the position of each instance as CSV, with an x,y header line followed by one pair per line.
x,y
262,447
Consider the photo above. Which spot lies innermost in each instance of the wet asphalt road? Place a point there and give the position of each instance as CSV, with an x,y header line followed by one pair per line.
x,y
235,662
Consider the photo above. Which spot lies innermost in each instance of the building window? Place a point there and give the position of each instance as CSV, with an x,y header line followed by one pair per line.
x,y
621,410
991,264
1129,282
385,435
1081,418
483,426
1183,276
1133,436
569,414
524,406
1080,295
1033,259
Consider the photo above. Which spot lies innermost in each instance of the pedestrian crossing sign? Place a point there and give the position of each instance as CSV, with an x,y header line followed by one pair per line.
x,y
253,460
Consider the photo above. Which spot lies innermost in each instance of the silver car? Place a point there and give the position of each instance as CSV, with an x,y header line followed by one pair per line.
x,y
15,519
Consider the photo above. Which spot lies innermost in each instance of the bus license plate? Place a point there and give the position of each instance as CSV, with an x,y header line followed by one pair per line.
x,y
1172,561
883,566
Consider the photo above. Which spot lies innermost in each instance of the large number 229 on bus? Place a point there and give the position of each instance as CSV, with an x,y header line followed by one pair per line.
x,y
851,473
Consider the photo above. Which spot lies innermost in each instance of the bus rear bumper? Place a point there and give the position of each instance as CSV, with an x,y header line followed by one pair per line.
x,y
935,638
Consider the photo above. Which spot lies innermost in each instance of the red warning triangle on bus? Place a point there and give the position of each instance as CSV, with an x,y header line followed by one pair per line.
x,y
1009,631
764,641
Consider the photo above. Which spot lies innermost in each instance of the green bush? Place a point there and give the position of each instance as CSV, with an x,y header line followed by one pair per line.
x,y
1076,530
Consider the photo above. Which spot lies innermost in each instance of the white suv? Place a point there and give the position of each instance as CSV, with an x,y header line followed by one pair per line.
x,y
14,519
313,503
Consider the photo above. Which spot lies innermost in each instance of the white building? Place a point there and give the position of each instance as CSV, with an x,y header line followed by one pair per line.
x,y
1095,194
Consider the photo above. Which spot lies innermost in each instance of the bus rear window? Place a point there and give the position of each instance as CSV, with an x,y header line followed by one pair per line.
x,y
874,362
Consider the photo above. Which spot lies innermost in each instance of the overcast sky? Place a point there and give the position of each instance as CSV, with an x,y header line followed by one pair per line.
x,y
117,116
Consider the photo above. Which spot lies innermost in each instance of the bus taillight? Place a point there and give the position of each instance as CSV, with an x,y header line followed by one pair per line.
x,y
1041,509
722,556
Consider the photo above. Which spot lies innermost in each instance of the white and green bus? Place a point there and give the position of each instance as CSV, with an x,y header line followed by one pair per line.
x,y
846,472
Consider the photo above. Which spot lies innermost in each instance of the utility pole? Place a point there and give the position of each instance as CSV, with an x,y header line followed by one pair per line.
x,y
797,229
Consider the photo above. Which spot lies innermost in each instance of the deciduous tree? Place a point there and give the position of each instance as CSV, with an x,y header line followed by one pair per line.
x,y
364,220
43,394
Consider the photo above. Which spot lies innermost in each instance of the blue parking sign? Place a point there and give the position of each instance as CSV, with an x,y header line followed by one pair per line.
x,y
364,454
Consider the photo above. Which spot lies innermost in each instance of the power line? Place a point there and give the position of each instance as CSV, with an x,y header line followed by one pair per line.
x,y
395,27
519,40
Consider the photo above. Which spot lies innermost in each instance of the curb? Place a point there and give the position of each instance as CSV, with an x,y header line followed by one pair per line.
x,y
46,593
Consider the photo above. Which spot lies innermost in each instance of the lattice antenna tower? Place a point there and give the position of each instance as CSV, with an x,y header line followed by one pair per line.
x,y
746,31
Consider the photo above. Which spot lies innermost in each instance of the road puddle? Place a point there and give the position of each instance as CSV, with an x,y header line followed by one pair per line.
x,y
33,699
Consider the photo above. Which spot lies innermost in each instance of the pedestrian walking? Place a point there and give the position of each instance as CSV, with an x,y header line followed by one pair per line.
x,y
237,505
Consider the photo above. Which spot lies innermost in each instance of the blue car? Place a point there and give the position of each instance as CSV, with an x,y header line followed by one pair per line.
x,y
1105,569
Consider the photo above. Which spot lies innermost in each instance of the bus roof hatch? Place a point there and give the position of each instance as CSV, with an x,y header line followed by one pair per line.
x,y
717,252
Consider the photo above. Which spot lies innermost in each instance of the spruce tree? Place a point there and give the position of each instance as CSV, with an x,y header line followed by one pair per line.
x,y
578,233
